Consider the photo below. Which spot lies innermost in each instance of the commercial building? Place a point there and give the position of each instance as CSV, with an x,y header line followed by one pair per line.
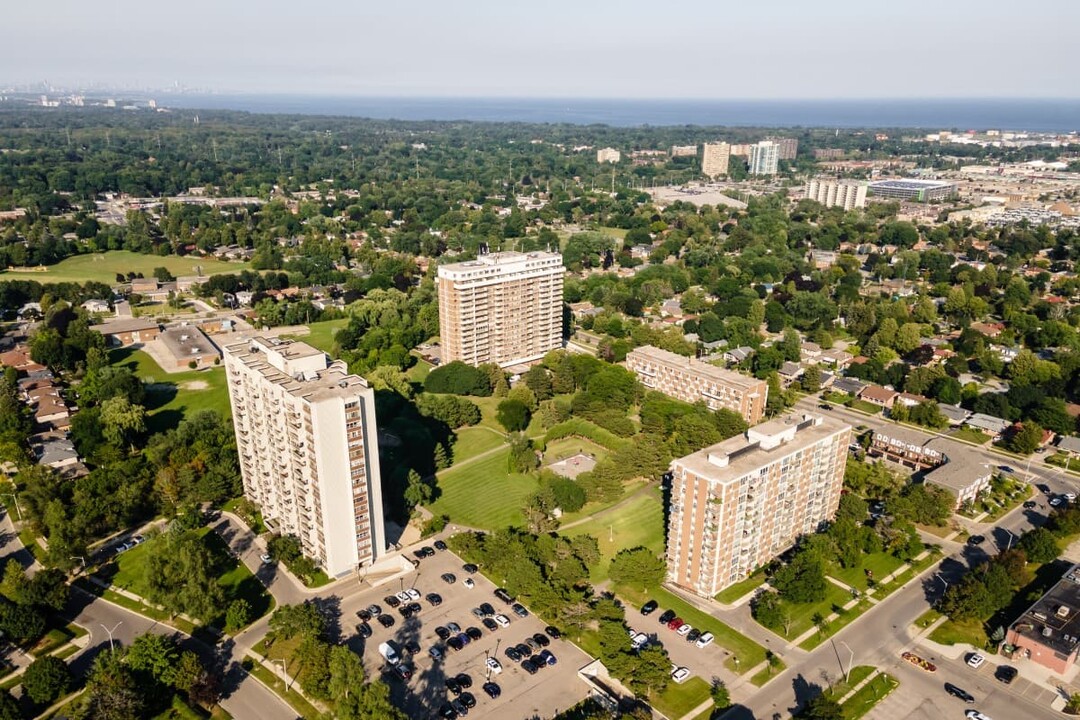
x,y
848,194
1048,633
691,381
124,332
187,344
738,504
764,158
503,308
308,449
608,155
715,158
915,190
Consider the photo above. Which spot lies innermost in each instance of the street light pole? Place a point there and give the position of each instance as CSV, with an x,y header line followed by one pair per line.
x,y
851,659
14,497
943,580
81,560
112,647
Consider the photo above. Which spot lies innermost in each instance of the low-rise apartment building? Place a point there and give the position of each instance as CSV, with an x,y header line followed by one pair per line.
x,y
691,381
738,504
1048,633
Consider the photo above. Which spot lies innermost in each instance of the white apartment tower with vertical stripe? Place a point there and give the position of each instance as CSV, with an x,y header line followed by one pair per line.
x,y
308,449
503,308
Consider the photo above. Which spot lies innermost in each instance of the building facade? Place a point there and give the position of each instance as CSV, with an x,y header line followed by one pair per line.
x,y
503,308
738,504
691,380
308,449
847,194
715,158
608,155
1048,633
787,148
915,190
764,158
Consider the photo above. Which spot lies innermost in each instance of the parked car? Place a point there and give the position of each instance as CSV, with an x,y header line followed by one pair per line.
x,y
387,621
463,680
435,599
364,615
528,666
442,632
519,610
413,594
412,647
684,629
502,621
363,630
1057,501
427,551
458,707
391,601
976,540
468,583
680,675
1005,674
453,627
452,685
264,557
404,672
693,635
490,624
374,610
649,607
666,617
548,657
493,665
975,715
959,693
436,652
512,653
449,578
704,640
504,596
542,639
447,712
454,643
474,633
486,610
492,689
468,700
469,568
439,545
975,660
553,632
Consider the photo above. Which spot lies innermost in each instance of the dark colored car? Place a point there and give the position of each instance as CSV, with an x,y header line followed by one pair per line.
x,y
447,712
959,693
1030,504
436,652
492,689
453,685
541,638
391,601
406,611
1006,674
435,599
363,615
976,540
528,666
427,551
464,639
386,621
363,630
666,617
442,632
553,632
415,607
419,554
512,654
693,635
486,610
649,608
439,545
523,650
474,633
548,657
454,644
461,709
412,647
463,680
504,596
468,700
490,624
449,578
469,568
519,610
533,645
403,671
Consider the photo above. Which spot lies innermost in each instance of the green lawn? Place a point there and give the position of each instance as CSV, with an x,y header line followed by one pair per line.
x,y
591,508
927,619
767,673
749,653
483,494
680,698
419,372
866,407
951,632
321,334
271,680
475,441
640,522
171,397
235,580
846,618
971,435
869,695
733,592
569,446
103,267
801,614
880,563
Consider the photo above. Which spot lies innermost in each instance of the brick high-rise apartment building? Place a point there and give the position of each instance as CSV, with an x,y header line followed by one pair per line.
x,y
738,504
503,308
308,449
691,380
715,158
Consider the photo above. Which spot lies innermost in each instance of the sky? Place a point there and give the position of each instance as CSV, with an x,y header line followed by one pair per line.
x,y
718,49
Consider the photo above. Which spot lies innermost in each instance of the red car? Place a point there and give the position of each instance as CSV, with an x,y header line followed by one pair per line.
x,y
676,624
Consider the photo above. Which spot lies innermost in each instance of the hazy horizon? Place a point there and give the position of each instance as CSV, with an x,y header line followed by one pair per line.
x,y
684,50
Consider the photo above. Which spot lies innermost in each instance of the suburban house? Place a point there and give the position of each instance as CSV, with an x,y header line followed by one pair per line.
x,y
851,386
911,399
960,472
994,426
955,414
878,395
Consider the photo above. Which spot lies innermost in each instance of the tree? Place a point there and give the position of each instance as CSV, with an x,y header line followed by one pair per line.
x,y
1039,544
523,457
291,620
821,707
720,695
1025,439
803,579
46,679
512,415
9,707
459,379
122,422
766,610
113,692
538,380
156,655
180,574
417,491
639,567
238,615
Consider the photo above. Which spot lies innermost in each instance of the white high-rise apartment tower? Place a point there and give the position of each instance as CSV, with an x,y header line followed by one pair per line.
x,y
503,308
715,158
764,158
848,194
308,449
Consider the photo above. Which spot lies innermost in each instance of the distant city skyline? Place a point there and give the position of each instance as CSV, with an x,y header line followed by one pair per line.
x,y
778,49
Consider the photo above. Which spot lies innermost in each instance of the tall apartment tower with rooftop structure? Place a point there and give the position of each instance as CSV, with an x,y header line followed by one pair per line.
x,y
738,504
715,158
691,381
503,308
764,158
308,449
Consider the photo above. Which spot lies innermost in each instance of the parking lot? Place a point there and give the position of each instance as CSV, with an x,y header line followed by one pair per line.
x,y
706,662
552,689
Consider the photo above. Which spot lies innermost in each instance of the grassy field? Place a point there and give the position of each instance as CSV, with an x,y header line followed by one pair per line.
x,y
566,447
749,653
236,580
869,695
802,614
971,435
321,334
845,618
103,267
475,441
680,698
733,592
591,508
419,372
881,564
483,494
951,632
173,396
640,522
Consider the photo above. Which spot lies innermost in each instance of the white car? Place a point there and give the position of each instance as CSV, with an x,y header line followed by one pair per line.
x,y
266,559
1071,497
403,596
413,593
502,621
640,641
976,660
704,640
493,665
680,674
684,629
975,715
1056,501
468,582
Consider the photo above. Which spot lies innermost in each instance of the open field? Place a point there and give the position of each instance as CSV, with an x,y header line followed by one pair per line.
x,y
733,592
483,494
103,267
473,441
171,397
321,334
640,522
680,698
801,614
880,564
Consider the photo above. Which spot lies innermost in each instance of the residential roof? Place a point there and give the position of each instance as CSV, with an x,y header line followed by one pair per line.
x,y
954,413
124,325
790,369
961,470
851,386
876,392
904,434
652,354
987,422
1069,443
